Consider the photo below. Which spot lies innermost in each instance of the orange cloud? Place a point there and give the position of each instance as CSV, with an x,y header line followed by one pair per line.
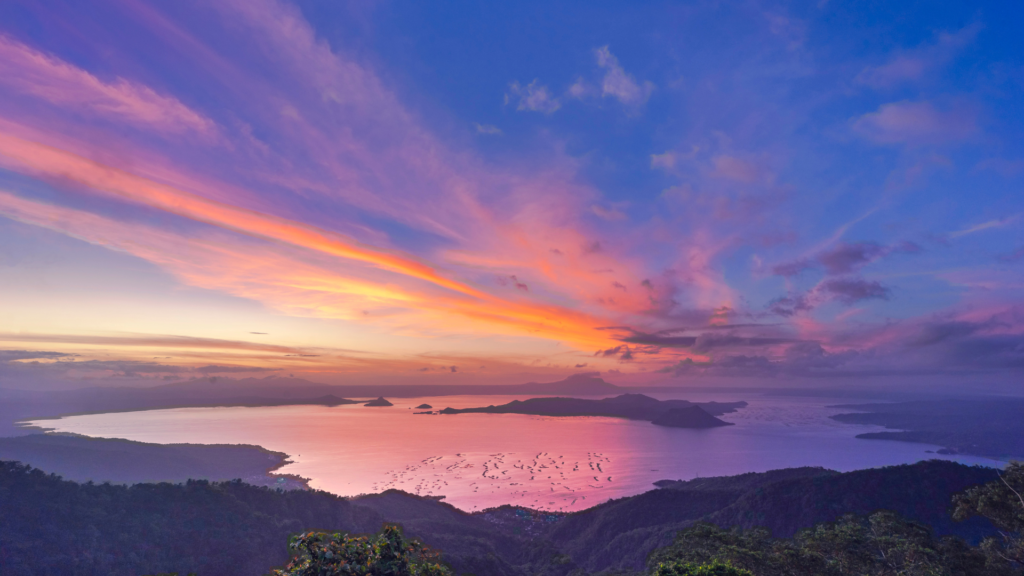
x,y
148,341
293,285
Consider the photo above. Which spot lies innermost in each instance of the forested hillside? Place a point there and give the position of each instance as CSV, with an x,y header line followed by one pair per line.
x,y
52,526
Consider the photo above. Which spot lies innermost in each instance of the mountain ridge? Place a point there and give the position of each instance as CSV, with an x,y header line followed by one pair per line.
x,y
232,528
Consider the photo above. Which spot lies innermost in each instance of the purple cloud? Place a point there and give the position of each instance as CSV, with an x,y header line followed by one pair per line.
x,y
1012,256
705,341
12,355
916,123
534,97
852,290
845,258
800,359
937,332
609,352
214,369
912,65
790,305
900,69
995,343
846,290
505,280
794,268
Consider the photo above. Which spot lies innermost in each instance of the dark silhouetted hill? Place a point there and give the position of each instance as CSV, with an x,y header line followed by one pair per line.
x,y
620,533
52,526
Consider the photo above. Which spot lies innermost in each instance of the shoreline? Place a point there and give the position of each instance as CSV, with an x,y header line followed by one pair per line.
x,y
83,458
271,472
21,423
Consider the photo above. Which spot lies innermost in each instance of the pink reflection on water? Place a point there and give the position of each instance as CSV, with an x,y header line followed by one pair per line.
x,y
482,460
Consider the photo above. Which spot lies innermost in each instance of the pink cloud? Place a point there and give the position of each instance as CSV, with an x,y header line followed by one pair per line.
x,y
31,72
901,68
916,123
620,84
534,96
304,281
610,214
733,168
912,65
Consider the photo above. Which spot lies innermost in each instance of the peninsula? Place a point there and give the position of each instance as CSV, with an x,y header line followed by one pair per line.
x,y
674,413
990,427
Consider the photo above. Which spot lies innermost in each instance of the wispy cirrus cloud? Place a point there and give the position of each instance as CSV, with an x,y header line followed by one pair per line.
x,y
912,65
287,284
465,212
137,341
987,225
328,196
48,78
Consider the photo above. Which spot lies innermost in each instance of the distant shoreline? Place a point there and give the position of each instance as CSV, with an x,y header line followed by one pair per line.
x,y
20,423
120,461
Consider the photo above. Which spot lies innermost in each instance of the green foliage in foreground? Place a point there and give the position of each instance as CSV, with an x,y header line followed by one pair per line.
x,y
1002,503
385,554
716,568
882,544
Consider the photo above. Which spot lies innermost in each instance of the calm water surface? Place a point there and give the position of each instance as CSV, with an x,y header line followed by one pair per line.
x,y
482,460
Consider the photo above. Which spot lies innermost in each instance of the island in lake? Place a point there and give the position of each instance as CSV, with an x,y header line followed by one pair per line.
x,y
378,402
673,413
690,417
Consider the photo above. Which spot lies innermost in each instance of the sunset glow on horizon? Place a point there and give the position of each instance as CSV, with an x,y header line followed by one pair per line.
x,y
352,192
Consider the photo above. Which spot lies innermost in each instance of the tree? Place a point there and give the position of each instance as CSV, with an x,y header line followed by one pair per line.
x,y
387,553
752,550
1002,502
715,568
883,544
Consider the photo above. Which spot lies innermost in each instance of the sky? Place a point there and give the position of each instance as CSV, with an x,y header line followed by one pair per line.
x,y
673,192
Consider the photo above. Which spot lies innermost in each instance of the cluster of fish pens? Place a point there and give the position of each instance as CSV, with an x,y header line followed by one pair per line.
x,y
543,482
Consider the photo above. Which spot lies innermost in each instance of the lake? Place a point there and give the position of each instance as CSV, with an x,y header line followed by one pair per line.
x,y
479,461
